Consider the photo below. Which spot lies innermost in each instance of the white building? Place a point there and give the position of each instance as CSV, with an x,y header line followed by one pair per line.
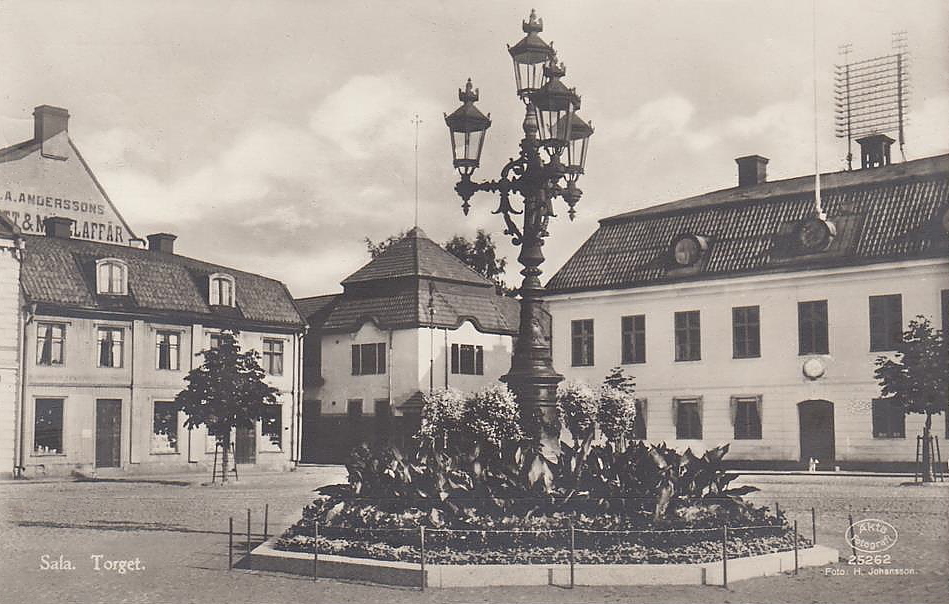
x,y
747,319
412,319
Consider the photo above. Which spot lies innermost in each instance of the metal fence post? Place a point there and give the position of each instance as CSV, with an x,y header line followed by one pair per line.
x,y
853,548
813,526
795,548
777,509
230,543
573,555
422,544
725,556
248,538
266,519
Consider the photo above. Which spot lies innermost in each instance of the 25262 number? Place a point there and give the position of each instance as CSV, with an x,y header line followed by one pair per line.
x,y
877,559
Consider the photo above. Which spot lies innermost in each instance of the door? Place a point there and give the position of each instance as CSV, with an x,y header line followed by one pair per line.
x,y
245,447
817,432
311,424
108,432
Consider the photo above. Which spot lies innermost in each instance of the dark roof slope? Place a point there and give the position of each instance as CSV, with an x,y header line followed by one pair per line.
x,y
315,304
61,272
415,255
883,213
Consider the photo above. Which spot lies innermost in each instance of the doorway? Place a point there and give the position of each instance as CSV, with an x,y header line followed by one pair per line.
x,y
816,419
311,424
108,432
245,445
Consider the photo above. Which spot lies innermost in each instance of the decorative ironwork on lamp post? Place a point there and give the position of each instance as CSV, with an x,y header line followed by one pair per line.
x,y
538,174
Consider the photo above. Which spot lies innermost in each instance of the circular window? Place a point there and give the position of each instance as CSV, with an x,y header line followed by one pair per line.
x,y
815,234
687,249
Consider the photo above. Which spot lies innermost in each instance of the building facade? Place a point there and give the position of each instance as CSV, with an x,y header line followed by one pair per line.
x,y
746,317
413,319
98,331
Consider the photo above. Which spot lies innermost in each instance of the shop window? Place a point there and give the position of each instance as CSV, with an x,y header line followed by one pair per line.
x,y
889,419
688,336
687,413
812,327
746,417
48,426
634,339
369,359
886,322
165,427
221,290
167,348
110,343
273,357
467,359
582,343
111,277
746,332
271,428
50,338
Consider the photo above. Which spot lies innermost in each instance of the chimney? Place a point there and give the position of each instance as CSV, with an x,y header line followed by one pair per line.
x,y
59,227
752,170
875,150
48,121
162,242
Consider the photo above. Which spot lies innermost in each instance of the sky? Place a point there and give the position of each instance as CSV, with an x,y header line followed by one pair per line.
x,y
275,136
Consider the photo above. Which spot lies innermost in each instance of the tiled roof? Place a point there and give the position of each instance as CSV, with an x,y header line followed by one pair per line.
x,y
415,255
61,272
892,212
394,290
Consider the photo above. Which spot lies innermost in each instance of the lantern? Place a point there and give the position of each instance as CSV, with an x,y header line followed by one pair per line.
x,y
530,55
554,105
467,126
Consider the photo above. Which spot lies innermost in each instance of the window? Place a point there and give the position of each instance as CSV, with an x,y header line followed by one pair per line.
x,y
746,332
812,327
687,413
582,342
639,426
215,340
221,290
271,428
634,339
111,277
886,322
49,343
167,345
354,408
273,357
467,359
688,336
48,426
889,419
165,427
110,346
746,417
369,358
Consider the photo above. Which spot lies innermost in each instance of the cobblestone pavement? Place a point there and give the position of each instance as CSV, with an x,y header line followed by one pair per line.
x,y
178,531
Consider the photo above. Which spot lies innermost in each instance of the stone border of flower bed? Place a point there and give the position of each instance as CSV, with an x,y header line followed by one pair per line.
x,y
408,574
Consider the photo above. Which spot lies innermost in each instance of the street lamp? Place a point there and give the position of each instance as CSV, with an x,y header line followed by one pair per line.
x,y
550,126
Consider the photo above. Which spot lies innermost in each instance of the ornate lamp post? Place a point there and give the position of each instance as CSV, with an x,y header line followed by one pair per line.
x,y
551,126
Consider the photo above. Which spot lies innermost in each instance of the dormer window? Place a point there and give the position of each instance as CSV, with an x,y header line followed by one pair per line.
x,y
221,290
111,277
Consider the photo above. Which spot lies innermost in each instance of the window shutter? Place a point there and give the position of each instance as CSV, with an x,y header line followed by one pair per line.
x,y
758,407
355,359
479,360
675,412
733,408
454,358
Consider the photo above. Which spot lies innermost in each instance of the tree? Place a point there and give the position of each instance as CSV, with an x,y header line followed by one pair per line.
x,y
226,391
917,378
377,249
617,410
480,254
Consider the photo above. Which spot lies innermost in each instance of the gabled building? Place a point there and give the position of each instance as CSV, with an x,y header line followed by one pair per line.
x,y
748,318
412,319
98,329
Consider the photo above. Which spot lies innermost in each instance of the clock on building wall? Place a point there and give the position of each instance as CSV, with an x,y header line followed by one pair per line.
x,y
815,234
688,249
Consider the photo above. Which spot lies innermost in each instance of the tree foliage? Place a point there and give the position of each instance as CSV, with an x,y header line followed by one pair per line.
x,y
489,416
917,378
226,391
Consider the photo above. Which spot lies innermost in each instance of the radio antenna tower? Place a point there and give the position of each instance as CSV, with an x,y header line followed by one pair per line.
x,y
871,96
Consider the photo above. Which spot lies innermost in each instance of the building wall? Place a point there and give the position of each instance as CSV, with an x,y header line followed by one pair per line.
x,y
777,374
138,385
9,352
